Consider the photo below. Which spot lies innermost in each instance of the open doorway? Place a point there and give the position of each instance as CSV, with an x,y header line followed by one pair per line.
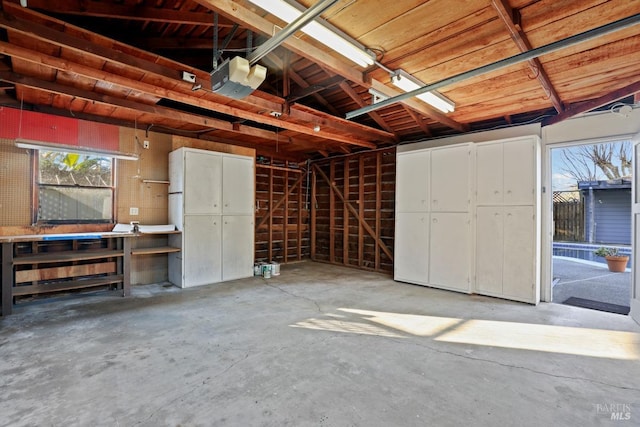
x,y
592,214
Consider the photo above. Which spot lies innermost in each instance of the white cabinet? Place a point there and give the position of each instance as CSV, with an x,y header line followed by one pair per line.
x,y
411,254
202,189
508,219
412,181
506,172
237,254
237,183
481,203
202,248
450,172
506,258
433,221
211,202
450,251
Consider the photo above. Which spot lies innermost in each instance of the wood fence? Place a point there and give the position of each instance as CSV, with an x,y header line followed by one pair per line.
x,y
568,217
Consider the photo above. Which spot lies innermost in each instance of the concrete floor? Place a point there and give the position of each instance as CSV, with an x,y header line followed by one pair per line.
x,y
316,346
590,280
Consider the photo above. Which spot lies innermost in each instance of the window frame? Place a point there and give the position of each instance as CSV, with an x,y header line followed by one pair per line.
x,y
36,185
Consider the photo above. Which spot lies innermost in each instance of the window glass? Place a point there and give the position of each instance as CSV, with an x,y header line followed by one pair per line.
x,y
74,187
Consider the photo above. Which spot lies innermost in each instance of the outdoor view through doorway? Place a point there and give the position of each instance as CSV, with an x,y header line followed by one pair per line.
x,y
592,217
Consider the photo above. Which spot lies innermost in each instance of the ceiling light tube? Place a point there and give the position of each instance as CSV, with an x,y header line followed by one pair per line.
x,y
321,33
407,82
39,145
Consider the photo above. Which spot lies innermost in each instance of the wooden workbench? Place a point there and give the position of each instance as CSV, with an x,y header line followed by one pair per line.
x,y
47,263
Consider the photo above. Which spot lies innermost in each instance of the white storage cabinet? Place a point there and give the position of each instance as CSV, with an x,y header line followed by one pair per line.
x,y
211,199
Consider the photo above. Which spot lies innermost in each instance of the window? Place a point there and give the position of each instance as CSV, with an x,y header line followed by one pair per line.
x,y
74,188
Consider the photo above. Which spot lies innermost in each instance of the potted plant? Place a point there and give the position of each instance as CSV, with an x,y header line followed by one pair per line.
x,y
617,263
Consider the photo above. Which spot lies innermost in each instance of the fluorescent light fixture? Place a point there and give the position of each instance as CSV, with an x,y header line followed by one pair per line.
x,y
39,145
324,35
407,82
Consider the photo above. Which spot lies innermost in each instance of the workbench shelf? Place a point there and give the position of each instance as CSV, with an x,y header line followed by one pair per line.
x,y
46,264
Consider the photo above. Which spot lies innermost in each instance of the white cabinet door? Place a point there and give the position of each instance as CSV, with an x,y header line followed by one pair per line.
x,y
412,181
176,171
202,183
450,251
489,250
202,250
237,246
450,170
238,187
489,173
411,255
519,172
519,277
176,210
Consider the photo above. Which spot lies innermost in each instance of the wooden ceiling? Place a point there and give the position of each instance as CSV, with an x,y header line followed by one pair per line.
x,y
121,62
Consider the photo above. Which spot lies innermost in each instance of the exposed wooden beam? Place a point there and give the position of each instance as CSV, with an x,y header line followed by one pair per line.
x,y
310,115
136,12
346,88
137,107
192,98
314,88
302,83
246,17
593,104
84,47
416,118
167,43
505,13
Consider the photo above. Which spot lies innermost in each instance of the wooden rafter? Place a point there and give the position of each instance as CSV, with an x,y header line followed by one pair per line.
x,y
133,106
520,38
593,104
416,118
315,88
171,76
112,10
295,77
346,88
249,19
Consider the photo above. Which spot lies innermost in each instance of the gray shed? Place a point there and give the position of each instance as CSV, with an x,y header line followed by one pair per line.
x,y
607,211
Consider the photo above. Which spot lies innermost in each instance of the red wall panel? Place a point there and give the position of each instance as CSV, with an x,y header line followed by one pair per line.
x,y
42,127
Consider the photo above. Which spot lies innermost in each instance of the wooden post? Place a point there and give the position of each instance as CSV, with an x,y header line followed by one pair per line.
x,y
285,218
270,227
378,204
332,212
299,225
345,215
126,266
312,202
361,213
7,278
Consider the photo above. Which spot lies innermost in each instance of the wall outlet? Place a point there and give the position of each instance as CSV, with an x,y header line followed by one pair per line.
x,y
145,144
133,211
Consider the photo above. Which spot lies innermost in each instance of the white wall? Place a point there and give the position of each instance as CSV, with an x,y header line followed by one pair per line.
x,y
601,125
490,135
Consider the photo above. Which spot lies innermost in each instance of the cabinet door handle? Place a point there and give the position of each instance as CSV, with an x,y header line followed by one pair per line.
x,y
496,192
435,220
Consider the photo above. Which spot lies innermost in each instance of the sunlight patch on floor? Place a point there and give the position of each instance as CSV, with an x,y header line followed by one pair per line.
x,y
514,335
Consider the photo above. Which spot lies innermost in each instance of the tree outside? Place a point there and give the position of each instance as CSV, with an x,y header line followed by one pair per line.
x,y
60,168
597,162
